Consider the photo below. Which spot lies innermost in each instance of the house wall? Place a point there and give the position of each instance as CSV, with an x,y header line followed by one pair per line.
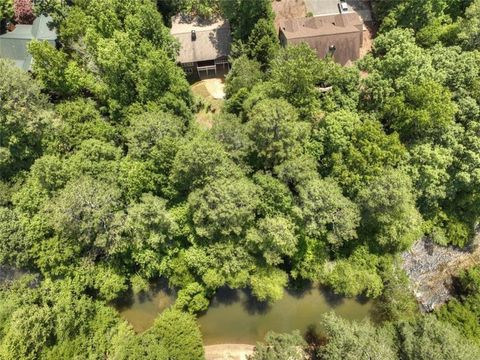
x,y
191,69
347,45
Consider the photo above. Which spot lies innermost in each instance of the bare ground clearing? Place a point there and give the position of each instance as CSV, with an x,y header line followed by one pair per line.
x,y
212,92
228,352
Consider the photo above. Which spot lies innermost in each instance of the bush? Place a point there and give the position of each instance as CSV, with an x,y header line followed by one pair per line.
x,y
24,11
179,333
6,9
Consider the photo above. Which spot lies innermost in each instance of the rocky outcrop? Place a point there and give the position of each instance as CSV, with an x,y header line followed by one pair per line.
x,y
431,269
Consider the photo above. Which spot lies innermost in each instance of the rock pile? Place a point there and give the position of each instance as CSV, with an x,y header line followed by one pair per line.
x,y
431,269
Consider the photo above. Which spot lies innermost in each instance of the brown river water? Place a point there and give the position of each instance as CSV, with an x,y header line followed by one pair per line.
x,y
234,316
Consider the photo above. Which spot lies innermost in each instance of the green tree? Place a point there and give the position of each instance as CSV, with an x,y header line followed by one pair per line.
x,y
244,15
294,74
198,162
352,340
353,150
263,42
356,275
223,208
14,245
231,133
83,211
96,159
428,338
394,304
469,34
202,8
179,333
296,172
119,52
226,263
429,172
389,216
60,75
153,139
421,111
275,133
268,284
143,234
6,9
275,196
281,346
428,18
79,120
29,332
274,237
326,214
192,298
245,73
24,117
463,312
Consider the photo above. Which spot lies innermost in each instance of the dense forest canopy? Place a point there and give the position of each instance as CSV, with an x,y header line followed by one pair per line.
x,y
108,183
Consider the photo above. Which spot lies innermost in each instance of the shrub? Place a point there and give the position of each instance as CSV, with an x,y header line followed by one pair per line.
x,y
6,9
23,11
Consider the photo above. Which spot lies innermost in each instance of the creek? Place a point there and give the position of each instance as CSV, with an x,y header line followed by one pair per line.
x,y
234,316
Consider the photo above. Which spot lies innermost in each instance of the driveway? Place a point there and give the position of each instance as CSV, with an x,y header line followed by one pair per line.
x,y
329,7
322,7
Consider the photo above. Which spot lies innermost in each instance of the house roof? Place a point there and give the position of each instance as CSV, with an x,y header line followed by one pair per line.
x,y
212,38
321,25
13,45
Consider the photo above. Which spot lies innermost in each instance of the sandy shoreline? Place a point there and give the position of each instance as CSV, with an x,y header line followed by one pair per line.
x,y
228,351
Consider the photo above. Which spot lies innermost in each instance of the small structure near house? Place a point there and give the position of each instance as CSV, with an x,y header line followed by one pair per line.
x,y
337,35
204,45
13,44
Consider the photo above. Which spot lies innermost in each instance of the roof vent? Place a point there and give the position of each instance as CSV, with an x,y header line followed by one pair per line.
x,y
194,35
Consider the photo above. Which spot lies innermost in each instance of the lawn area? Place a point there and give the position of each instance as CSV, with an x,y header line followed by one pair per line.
x,y
211,90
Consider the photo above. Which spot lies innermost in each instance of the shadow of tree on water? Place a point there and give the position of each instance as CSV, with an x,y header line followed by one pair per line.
x,y
298,289
225,296
254,306
331,298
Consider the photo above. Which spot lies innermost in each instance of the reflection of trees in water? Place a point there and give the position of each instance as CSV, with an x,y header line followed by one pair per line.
x,y
362,299
156,289
333,300
314,339
299,288
225,296
254,306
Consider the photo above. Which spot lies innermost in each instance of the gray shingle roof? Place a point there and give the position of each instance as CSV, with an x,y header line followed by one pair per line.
x,y
212,41
13,45
321,25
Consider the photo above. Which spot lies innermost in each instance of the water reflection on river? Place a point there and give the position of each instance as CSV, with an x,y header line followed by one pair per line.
x,y
236,317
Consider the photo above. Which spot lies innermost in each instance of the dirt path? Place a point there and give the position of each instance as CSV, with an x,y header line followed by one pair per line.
x,y
228,352
289,9
431,268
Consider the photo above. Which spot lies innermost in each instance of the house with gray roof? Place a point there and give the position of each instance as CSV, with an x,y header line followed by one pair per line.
x,y
204,45
13,44
337,35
